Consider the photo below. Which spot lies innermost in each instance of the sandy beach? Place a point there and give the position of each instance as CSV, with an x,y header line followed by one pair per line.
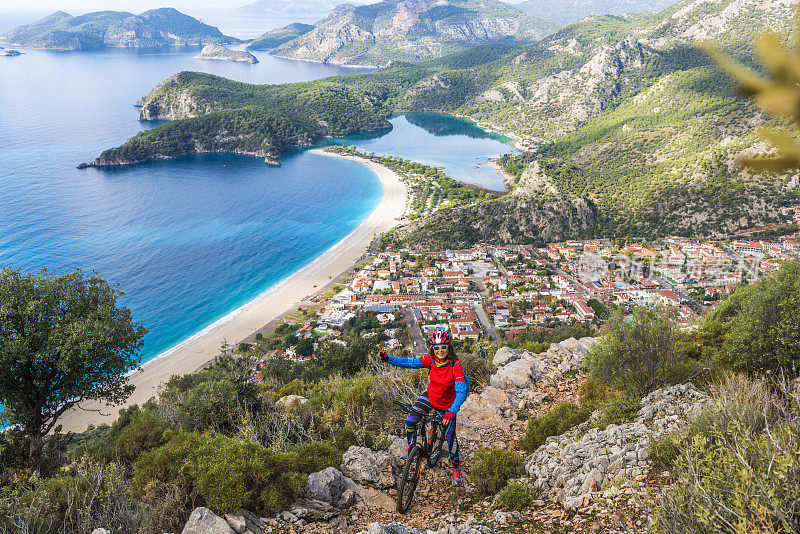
x,y
196,351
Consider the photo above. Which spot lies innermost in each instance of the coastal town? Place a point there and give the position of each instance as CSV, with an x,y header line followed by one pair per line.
x,y
496,292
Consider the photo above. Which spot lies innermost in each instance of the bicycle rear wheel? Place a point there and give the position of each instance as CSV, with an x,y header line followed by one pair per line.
x,y
408,482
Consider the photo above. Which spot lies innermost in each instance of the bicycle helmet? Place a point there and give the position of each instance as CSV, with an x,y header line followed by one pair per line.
x,y
440,337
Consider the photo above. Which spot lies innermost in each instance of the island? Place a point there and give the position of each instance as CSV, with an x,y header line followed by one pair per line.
x,y
107,29
222,53
9,53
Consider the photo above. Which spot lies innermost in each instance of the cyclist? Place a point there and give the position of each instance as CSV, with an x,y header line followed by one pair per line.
x,y
446,391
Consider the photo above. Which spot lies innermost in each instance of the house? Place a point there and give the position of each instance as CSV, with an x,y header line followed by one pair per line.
x,y
585,312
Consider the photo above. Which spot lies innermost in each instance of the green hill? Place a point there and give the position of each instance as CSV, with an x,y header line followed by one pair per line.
x,y
154,28
278,36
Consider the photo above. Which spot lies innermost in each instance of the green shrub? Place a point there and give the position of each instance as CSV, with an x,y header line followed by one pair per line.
x,y
85,494
477,367
226,473
762,324
738,469
516,496
313,456
639,355
493,468
664,449
557,421
592,393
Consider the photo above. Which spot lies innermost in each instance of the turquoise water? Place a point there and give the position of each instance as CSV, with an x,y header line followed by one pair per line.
x,y
455,144
188,240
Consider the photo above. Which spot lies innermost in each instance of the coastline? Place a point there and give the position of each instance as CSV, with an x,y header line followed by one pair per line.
x,y
240,324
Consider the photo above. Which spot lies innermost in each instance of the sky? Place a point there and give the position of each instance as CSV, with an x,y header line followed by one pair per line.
x,y
77,7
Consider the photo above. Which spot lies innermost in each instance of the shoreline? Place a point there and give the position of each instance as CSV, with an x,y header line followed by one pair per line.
x,y
242,323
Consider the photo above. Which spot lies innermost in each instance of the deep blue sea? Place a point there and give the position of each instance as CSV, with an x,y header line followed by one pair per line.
x,y
187,240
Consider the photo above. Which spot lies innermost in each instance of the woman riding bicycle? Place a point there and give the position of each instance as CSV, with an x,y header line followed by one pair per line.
x,y
446,391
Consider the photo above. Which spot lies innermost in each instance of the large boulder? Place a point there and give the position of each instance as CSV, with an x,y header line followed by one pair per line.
x,y
204,521
505,355
330,487
478,413
368,467
496,396
517,374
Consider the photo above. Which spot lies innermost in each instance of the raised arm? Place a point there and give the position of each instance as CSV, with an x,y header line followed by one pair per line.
x,y
406,363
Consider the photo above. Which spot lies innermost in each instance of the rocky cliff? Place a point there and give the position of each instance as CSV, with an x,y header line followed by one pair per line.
x,y
412,30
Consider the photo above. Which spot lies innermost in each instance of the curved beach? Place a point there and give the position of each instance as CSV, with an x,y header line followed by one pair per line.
x,y
199,349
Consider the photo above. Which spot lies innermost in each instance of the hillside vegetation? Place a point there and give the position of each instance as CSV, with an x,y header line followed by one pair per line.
x,y
627,122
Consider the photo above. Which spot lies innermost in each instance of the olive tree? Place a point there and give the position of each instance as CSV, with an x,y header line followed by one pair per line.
x,y
63,340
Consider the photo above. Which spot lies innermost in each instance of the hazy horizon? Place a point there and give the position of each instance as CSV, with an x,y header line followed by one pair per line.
x,y
84,6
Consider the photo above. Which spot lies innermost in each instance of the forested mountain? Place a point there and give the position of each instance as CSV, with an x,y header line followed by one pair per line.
x,y
157,27
567,11
292,8
631,129
278,36
413,30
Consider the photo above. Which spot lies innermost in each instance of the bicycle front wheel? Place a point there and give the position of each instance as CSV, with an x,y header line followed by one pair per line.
x,y
409,480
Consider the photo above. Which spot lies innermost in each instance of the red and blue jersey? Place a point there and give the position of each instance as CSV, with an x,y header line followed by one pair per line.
x,y
448,385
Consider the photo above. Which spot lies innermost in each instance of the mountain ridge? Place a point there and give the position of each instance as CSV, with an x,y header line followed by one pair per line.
x,y
389,30
102,29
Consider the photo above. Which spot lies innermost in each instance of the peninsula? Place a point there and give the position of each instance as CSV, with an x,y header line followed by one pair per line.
x,y
106,29
9,53
222,53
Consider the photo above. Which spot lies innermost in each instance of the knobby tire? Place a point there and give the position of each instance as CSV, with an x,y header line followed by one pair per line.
x,y
409,480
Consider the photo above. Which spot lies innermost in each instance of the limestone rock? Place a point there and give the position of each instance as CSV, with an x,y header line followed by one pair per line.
x,y
204,521
506,355
480,414
331,487
518,374
237,522
368,467
496,396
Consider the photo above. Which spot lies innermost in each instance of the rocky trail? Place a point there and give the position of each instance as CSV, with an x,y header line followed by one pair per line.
x,y
589,479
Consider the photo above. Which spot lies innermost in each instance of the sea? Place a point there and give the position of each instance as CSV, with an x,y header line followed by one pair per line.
x,y
191,239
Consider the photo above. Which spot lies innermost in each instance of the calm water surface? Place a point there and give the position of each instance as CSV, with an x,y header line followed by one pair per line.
x,y
188,240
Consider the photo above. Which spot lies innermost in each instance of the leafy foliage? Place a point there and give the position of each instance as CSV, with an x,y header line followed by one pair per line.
x,y
762,324
638,355
228,474
493,468
555,422
63,340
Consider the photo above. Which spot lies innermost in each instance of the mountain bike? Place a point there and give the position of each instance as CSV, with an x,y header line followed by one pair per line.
x,y
427,444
